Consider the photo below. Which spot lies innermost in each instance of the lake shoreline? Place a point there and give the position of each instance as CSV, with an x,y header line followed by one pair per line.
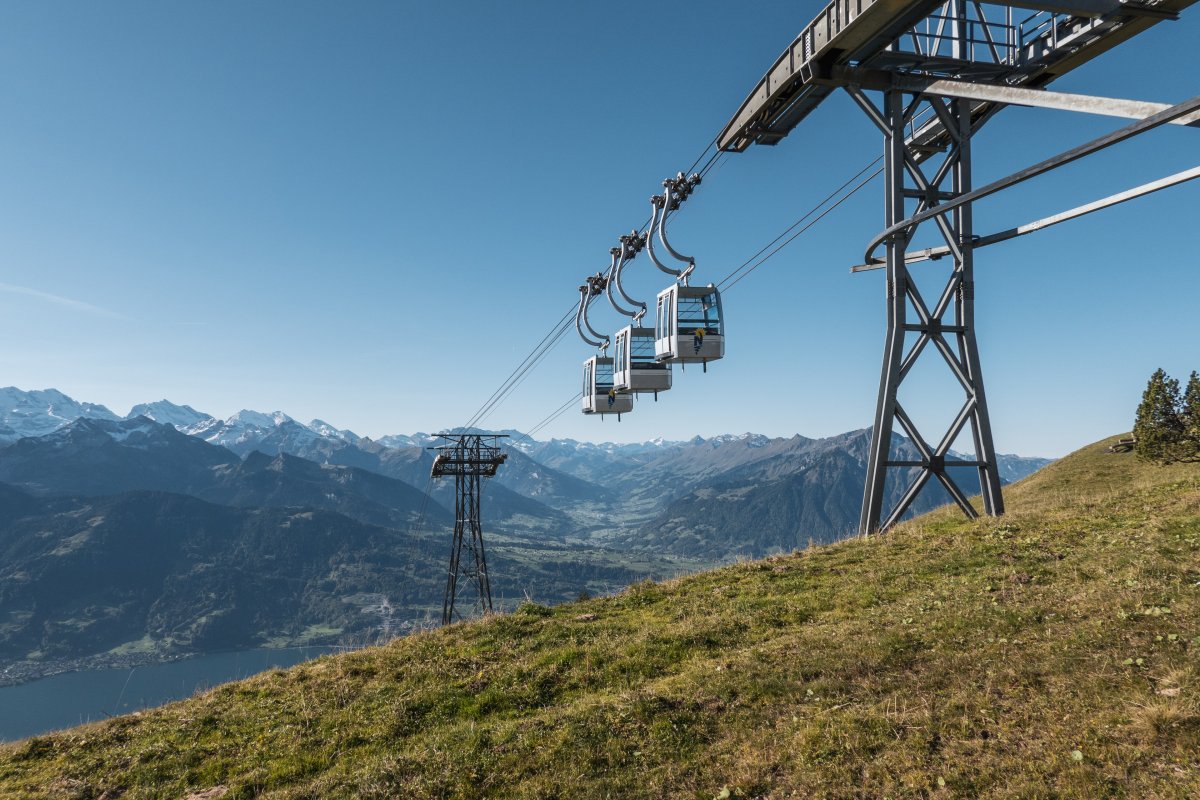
x,y
67,692
18,672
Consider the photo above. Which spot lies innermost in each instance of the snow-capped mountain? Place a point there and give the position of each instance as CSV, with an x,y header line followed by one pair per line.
x,y
592,461
98,456
276,433
325,429
245,428
167,413
39,412
402,440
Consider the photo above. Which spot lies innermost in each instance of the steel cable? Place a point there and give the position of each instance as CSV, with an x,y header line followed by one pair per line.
x,y
754,262
729,280
539,352
529,361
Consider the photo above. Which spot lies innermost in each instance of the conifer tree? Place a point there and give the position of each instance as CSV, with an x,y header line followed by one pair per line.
x,y
1189,417
1158,427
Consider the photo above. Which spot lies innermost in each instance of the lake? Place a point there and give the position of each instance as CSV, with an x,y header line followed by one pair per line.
x,y
62,701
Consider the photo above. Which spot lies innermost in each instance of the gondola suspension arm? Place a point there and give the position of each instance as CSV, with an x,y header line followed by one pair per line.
x,y
594,285
657,203
675,191
616,256
631,245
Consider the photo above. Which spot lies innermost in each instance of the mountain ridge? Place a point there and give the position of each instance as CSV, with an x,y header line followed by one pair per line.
x,y
622,494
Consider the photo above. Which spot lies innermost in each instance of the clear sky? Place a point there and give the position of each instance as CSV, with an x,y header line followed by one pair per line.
x,y
370,212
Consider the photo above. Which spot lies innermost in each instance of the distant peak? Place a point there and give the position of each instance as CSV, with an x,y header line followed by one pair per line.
x,y
41,411
168,413
325,429
258,419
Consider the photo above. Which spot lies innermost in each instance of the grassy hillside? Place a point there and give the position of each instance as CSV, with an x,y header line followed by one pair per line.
x,y
1051,653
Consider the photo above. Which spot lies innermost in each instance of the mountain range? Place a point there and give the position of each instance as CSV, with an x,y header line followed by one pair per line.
x,y
212,505
630,494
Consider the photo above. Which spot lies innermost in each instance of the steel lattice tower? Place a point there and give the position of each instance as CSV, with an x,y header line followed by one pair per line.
x,y
947,323
468,457
940,70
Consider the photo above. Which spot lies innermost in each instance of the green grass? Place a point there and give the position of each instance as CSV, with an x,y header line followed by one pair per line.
x,y
1052,653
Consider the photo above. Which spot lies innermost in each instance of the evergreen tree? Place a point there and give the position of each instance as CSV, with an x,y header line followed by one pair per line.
x,y
1189,417
1158,428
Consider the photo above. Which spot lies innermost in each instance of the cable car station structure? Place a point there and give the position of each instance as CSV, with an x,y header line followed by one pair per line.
x,y
468,457
928,74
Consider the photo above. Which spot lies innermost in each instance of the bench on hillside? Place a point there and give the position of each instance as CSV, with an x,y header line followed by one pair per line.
x,y
1122,445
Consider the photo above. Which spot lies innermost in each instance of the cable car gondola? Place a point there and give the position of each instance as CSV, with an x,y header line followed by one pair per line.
x,y
689,324
599,394
637,369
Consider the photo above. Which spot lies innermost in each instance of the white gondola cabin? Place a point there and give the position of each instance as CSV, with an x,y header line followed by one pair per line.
x,y
599,394
689,326
636,369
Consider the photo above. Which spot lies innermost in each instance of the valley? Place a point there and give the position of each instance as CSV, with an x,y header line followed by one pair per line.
x,y
167,534
1051,652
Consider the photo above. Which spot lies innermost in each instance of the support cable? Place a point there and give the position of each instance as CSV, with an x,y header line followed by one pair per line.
x,y
539,352
534,356
551,417
415,530
754,262
525,373
730,280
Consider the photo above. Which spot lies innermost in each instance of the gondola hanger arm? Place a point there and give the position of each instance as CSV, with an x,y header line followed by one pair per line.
x,y
675,191
613,280
631,245
586,292
657,203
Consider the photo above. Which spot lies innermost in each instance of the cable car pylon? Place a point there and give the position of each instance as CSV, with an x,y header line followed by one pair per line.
x,y
468,457
943,69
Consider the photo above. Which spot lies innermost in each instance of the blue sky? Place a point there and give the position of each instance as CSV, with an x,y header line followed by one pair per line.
x,y
371,212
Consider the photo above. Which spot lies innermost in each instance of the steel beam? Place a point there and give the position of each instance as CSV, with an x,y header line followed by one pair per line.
x,y
869,32
1007,95
1092,8
935,253
1179,111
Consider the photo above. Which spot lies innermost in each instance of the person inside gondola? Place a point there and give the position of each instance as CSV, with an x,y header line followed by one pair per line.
x,y
698,339
612,396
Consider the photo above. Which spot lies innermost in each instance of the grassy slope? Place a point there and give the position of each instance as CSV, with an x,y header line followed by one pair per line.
x,y
1051,653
